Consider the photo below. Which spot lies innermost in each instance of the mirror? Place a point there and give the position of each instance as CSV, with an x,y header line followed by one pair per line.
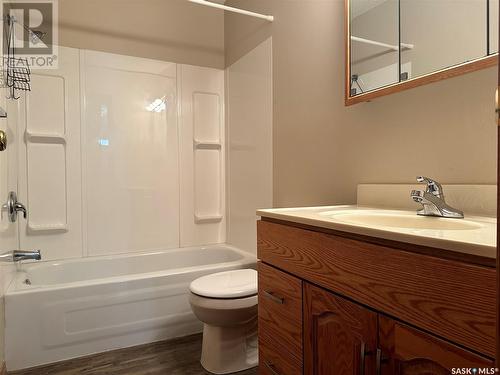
x,y
393,45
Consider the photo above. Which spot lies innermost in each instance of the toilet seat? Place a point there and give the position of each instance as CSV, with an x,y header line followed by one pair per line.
x,y
223,304
228,284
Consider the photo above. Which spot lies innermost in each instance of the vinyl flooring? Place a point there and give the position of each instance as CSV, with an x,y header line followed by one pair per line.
x,y
174,357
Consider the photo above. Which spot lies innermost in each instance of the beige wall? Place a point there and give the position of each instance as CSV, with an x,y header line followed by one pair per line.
x,y
171,30
322,149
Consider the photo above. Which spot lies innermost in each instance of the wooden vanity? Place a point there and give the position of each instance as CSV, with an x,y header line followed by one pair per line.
x,y
333,303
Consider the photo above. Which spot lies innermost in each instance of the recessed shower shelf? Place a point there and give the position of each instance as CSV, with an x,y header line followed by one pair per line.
x,y
198,145
49,228
202,219
45,138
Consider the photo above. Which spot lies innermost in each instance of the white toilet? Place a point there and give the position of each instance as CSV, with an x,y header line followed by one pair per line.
x,y
226,302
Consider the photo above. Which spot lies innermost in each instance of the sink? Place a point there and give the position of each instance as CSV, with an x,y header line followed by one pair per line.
x,y
396,220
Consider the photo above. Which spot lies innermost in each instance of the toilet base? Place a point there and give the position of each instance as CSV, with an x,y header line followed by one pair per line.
x,y
230,349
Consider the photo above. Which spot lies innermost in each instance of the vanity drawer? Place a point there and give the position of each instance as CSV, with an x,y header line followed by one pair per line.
x,y
276,360
280,311
452,299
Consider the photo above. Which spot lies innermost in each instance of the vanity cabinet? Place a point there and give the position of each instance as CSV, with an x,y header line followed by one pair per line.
x,y
333,305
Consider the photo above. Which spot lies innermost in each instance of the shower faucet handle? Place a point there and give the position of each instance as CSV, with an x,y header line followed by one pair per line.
x,y
19,207
13,206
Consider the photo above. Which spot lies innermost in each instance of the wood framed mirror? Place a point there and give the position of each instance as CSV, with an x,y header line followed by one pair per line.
x,y
396,45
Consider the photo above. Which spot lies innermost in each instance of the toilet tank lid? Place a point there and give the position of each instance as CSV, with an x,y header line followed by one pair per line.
x,y
228,284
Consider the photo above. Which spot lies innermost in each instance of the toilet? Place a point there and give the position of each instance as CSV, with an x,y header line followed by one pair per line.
x,y
226,302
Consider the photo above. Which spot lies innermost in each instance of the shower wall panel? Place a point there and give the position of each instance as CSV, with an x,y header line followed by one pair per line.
x,y
50,184
111,162
202,140
131,191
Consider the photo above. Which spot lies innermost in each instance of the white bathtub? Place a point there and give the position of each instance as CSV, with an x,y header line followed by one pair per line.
x,y
78,307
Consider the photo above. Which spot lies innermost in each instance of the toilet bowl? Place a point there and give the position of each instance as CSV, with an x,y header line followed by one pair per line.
x,y
226,302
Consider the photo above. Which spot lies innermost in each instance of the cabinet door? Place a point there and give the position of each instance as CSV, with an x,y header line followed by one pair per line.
x,y
408,351
340,337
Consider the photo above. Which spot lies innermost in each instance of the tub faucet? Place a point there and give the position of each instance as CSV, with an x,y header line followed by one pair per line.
x,y
18,255
432,200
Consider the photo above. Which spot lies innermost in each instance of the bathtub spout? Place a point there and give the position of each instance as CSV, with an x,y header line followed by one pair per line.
x,y
18,255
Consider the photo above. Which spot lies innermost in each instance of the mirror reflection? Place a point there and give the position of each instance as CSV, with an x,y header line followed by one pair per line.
x,y
393,41
374,44
493,26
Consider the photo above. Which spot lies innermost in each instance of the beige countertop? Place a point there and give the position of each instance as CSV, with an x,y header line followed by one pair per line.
x,y
474,235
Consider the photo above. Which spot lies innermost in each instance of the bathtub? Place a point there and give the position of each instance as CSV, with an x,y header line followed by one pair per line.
x,y
72,308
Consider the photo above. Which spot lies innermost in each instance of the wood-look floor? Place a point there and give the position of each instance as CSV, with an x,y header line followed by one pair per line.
x,y
174,357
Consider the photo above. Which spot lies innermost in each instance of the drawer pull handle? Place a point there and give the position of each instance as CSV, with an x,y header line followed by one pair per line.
x,y
362,358
380,360
271,368
272,297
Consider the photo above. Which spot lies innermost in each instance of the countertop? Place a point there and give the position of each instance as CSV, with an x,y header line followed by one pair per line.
x,y
479,241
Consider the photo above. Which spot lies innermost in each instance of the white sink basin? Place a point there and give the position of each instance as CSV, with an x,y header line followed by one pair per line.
x,y
394,220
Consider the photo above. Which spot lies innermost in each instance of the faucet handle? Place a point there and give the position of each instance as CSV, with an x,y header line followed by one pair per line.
x,y
19,207
12,207
433,187
417,196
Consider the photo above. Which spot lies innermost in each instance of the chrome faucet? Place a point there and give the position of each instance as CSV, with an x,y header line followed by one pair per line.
x,y
432,200
18,255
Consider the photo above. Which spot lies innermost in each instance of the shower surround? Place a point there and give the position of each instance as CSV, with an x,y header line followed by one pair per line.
x,y
122,167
